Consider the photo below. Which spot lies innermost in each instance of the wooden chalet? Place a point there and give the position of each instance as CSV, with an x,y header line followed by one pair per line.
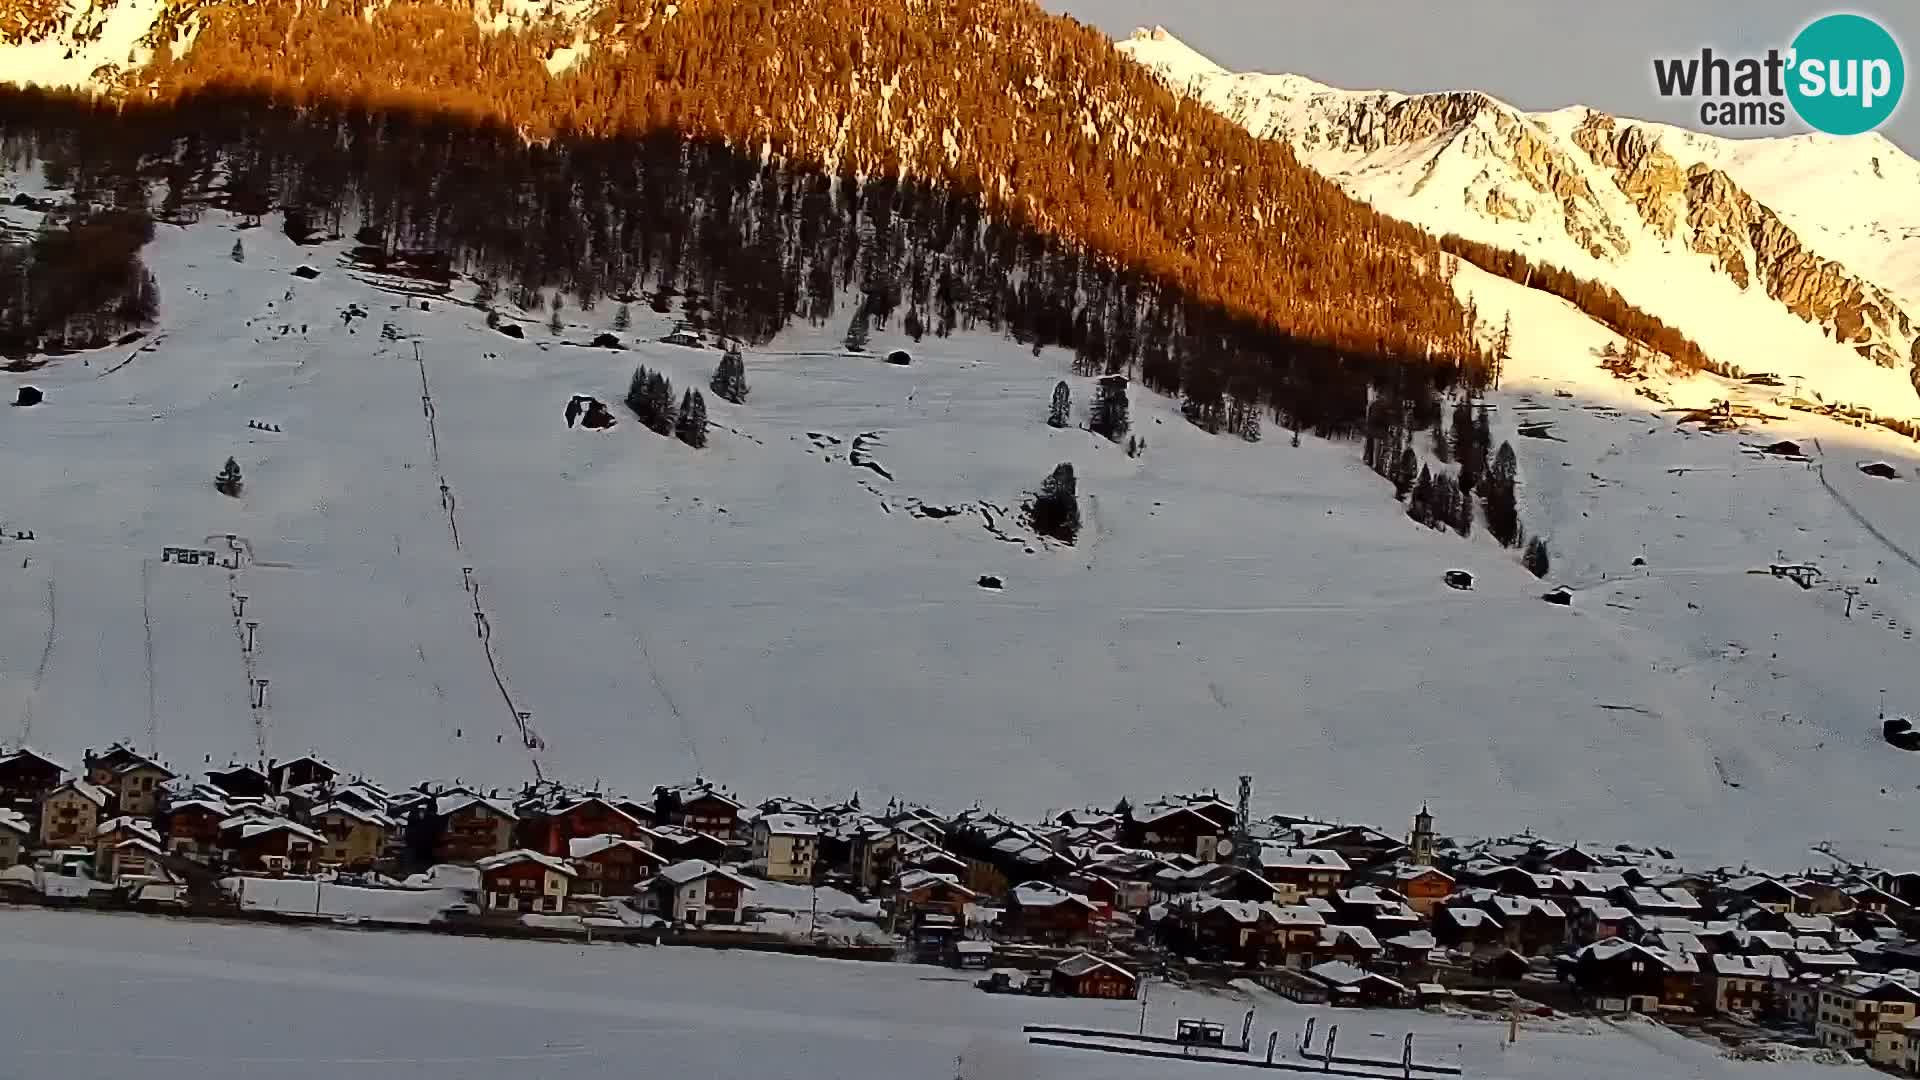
x,y
611,865
697,892
467,828
1040,912
192,827
27,777
1425,887
16,833
1621,976
356,837
132,779
71,812
1089,976
1304,872
700,807
551,831
259,843
522,881
241,782
300,772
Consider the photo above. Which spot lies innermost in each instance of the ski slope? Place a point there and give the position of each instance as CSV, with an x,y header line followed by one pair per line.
x,y
772,613
210,1002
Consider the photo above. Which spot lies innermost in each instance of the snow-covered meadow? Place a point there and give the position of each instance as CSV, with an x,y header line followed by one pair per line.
x,y
773,613
177,999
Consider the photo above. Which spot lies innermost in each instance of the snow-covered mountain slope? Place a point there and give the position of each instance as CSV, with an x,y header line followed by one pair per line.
x,y
1796,254
793,609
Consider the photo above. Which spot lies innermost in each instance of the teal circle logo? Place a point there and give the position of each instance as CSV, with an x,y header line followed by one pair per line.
x,y
1847,74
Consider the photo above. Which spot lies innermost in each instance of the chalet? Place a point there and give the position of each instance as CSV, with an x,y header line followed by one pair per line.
x,y
1866,1014
26,778
679,844
1360,846
192,827
1621,976
1221,880
1533,925
263,843
697,892
241,782
1594,918
1380,910
1866,896
551,831
132,778
786,847
135,859
1040,912
1425,887
1467,927
1604,883
1648,900
16,832
1303,872
71,812
1211,928
1354,944
356,837
1766,892
1905,885
1513,880
699,806
1412,952
1553,860
612,865
1749,985
109,834
1088,976
918,892
1352,986
523,882
300,772
468,828
1181,830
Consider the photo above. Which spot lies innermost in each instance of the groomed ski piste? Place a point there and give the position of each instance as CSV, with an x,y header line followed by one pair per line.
x,y
179,1000
781,612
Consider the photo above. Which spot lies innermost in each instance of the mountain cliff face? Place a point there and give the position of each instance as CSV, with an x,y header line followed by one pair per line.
x,y
1663,215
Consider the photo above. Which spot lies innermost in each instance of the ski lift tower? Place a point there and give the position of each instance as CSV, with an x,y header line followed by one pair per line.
x,y
1243,827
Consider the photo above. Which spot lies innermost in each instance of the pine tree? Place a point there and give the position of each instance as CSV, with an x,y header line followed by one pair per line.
x,y
1442,444
914,327
729,382
637,393
659,416
1062,405
554,325
484,293
1406,469
1535,558
1107,416
1055,510
1420,501
622,318
691,425
1503,514
239,253
857,331
1250,425
227,482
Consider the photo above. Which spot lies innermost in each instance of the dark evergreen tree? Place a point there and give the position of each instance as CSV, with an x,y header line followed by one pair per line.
x,y
659,416
691,425
1535,558
729,382
1057,412
1250,425
1442,444
1107,416
1503,514
554,325
1055,510
914,327
637,393
622,319
239,253
1406,468
857,331
484,292
227,481
1420,502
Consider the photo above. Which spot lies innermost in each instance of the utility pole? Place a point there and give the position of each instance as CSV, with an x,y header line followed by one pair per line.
x,y
1852,591
1243,826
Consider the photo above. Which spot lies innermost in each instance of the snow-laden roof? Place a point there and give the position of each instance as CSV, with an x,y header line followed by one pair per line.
x,y
911,880
211,806
1809,924
1754,882
1609,948
93,793
28,753
1036,894
788,825
1417,941
129,826
1298,915
1360,936
448,805
1341,973
1597,882
696,789
1075,966
1281,858
586,847
1651,899
14,821
1469,918
251,825
523,855
691,870
1414,871
1750,967
352,810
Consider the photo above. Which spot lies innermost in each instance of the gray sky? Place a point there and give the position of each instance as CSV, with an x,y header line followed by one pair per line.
x,y
1536,54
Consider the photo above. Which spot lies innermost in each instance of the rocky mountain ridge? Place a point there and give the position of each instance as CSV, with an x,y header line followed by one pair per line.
x,y
1622,201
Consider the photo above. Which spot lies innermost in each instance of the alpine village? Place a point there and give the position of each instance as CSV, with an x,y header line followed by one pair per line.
x,y
1088,903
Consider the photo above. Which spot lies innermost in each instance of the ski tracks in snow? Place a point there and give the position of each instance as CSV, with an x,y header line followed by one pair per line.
x,y
46,655
653,671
